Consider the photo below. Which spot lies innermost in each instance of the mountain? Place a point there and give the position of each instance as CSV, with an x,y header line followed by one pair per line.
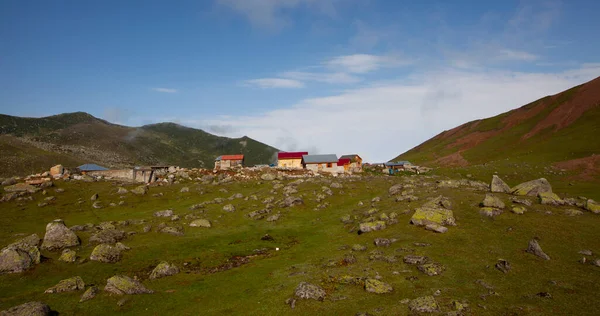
x,y
33,144
560,130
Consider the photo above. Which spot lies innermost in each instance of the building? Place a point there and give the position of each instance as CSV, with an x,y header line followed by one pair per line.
x,y
229,161
291,160
91,167
398,165
356,162
320,163
343,164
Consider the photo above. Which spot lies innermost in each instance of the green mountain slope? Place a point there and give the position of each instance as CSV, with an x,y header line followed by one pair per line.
x,y
34,144
561,129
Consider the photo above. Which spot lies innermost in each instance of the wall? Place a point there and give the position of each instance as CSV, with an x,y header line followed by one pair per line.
x,y
124,174
290,163
315,167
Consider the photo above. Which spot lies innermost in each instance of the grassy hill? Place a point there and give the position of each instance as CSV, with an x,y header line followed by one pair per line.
x,y
556,130
34,144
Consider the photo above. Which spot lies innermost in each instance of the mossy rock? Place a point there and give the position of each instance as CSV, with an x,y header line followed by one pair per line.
x,y
15,261
67,285
490,211
432,268
549,198
426,215
532,188
372,226
592,206
201,223
140,190
28,309
164,269
378,287
305,290
517,209
425,304
492,201
106,253
120,284
68,255
59,236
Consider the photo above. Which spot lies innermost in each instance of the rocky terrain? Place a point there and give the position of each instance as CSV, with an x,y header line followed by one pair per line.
x,y
259,241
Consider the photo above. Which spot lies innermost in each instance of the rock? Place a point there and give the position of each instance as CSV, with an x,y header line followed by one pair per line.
x,y
520,210
592,206
498,185
67,285
372,226
147,228
412,259
492,201
105,253
201,223
490,211
573,212
57,170
426,215
549,198
94,197
382,242
163,269
122,247
436,228
395,189
9,181
376,286
346,219
21,187
586,252
175,231
336,185
596,262
503,266
29,245
291,201
376,199
175,218
438,202
68,255
532,188
165,213
15,261
274,217
184,190
534,248
306,291
28,309
140,190
359,247
122,190
229,208
425,304
89,294
431,269
107,236
59,236
120,284
97,205
267,237
268,177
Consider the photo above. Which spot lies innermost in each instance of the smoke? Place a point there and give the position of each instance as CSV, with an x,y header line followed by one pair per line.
x,y
117,115
223,130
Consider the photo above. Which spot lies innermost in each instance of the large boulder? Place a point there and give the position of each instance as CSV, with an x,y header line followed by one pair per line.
x,y
59,236
427,215
499,186
120,284
165,213
68,285
200,223
106,253
21,187
140,190
107,236
425,304
15,261
371,226
164,269
57,170
532,188
28,309
307,291
534,248
592,206
549,198
89,294
376,286
395,189
68,255
492,201
268,176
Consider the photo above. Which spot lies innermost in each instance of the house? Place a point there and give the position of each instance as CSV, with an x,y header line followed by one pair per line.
x,y
356,162
91,167
292,160
344,164
320,163
229,161
398,165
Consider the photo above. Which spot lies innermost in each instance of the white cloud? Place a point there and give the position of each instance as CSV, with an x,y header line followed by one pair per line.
x,y
363,63
507,54
333,78
165,90
267,83
383,120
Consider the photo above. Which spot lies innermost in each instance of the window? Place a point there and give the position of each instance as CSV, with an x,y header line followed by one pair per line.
x,y
329,165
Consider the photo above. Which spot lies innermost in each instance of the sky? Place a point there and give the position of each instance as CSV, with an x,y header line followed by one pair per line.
x,y
371,77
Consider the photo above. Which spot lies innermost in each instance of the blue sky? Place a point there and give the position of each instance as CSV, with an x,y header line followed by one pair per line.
x,y
328,76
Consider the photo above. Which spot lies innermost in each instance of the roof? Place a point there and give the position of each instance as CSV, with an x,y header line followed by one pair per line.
x,y
397,163
230,157
329,158
291,155
343,161
91,167
352,157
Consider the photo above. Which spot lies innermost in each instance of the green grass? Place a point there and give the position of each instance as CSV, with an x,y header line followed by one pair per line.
x,y
308,240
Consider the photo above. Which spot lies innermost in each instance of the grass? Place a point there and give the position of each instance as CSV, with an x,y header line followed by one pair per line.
x,y
309,240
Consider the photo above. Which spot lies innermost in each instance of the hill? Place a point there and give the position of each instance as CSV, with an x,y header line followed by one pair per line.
x,y
33,144
558,130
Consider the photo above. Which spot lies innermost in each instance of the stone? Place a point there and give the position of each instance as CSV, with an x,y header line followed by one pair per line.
x,y
163,269
439,201
307,291
382,242
94,197
378,287
376,199
68,255
21,187
490,211
15,261
426,215
336,185
291,201
431,269
175,218
549,198
229,208
147,228
122,247
175,231
412,259
28,309
165,213
105,253
9,181
97,205
359,247
492,201
122,190
499,186
184,190
532,188
89,294
29,245
67,285
372,226
120,284
592,206
436,228
201,223
274,217
268,177
503,266
573,212
59,236
586,252
520,210
107,236
395,189
534,248
425,304
346,219
140,190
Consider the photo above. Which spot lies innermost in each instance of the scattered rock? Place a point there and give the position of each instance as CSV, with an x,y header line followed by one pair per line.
x,y
592,206
436,228
274,217
94,197
120,284
229,208
532,188
498,185
175,231
165,213
371,226
437,202
105,253
520,210
68,255
549,198
67,285
9,181
89,294
534,248
122,247
376,286
492,201
59,236
382,242
412,259
21,187
140,190
359,247
426,215
122,190
201,223
97,205
306,290
425,304
431,269
107,236
395,189
291,201
573,212
164,269
184,190
268,177
490,211
503,265
586,252
28,309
